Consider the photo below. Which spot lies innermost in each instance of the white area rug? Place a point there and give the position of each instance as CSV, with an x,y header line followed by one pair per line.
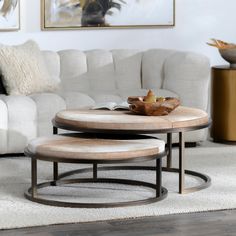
x,y
218,161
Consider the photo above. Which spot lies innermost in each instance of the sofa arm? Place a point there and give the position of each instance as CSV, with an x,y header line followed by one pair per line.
x,y
3,126
18,117
188,75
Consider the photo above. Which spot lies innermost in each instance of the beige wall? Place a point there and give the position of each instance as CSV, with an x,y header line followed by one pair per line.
x,y
196,22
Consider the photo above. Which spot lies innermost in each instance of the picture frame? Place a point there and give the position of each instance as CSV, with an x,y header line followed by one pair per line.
x,y
85,14
10,15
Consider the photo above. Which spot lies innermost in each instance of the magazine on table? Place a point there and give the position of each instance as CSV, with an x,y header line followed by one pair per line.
x,y
112,106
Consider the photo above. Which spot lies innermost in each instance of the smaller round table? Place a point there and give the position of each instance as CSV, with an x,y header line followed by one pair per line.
x,y
95,149
181,120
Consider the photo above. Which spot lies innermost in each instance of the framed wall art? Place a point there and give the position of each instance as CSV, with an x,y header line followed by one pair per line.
x,y
79,14
9,15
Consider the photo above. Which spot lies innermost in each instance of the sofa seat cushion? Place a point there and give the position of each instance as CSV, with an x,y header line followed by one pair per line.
x,y
119,96
165,93
77,100
101,97
124,94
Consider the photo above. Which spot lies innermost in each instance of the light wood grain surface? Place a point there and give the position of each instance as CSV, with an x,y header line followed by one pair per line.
x,y
95,147
182,117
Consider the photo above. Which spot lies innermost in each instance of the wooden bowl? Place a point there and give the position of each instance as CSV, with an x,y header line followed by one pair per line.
x,y
161,107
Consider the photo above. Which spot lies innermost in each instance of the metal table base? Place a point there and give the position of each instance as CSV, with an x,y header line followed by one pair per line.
x,y
206,180
32,193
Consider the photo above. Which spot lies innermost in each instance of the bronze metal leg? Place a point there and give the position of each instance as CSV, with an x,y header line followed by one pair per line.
x,y
169,152
181,163
95,171
34,177
55,130
158,177
55,164
160,192
55,171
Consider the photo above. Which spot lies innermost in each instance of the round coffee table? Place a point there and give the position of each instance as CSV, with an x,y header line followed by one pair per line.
x,y
87,148
181,120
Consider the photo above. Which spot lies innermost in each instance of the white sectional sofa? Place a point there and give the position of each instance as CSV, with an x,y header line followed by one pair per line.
x,y
98,76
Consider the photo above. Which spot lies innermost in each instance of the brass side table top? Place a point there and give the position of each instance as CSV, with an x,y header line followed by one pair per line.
x,y
224,67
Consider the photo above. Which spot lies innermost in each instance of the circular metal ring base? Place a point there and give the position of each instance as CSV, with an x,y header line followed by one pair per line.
x,y
36,198
205,178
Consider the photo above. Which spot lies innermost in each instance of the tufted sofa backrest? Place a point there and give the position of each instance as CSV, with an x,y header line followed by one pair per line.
x,y
107,70
114,75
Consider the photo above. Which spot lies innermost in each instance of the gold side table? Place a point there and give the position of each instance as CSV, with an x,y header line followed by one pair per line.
x,y
223,103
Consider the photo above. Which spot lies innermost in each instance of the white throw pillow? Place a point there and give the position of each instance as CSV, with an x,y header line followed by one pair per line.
x,y
24,71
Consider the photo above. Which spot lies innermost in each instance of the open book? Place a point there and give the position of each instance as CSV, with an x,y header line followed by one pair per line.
x,y
112,106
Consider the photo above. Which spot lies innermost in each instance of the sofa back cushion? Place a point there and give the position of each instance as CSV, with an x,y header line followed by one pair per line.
x,y
73,70
100,70
112,75
188,75
127,65
152,67
52,61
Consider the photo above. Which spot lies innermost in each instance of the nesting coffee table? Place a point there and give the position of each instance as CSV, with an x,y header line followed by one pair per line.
x,y
114,137
181,120
95,149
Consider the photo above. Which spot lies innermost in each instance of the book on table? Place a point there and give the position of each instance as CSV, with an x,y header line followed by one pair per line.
x,y
111,106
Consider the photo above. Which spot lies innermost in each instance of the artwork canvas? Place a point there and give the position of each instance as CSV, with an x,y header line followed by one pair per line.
x,y
72,14
9,15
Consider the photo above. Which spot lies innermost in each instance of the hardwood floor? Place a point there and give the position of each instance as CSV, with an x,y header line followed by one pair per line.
x,y
219,223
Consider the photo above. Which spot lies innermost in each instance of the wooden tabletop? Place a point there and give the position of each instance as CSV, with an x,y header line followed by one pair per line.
x,y
105,120
95,147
